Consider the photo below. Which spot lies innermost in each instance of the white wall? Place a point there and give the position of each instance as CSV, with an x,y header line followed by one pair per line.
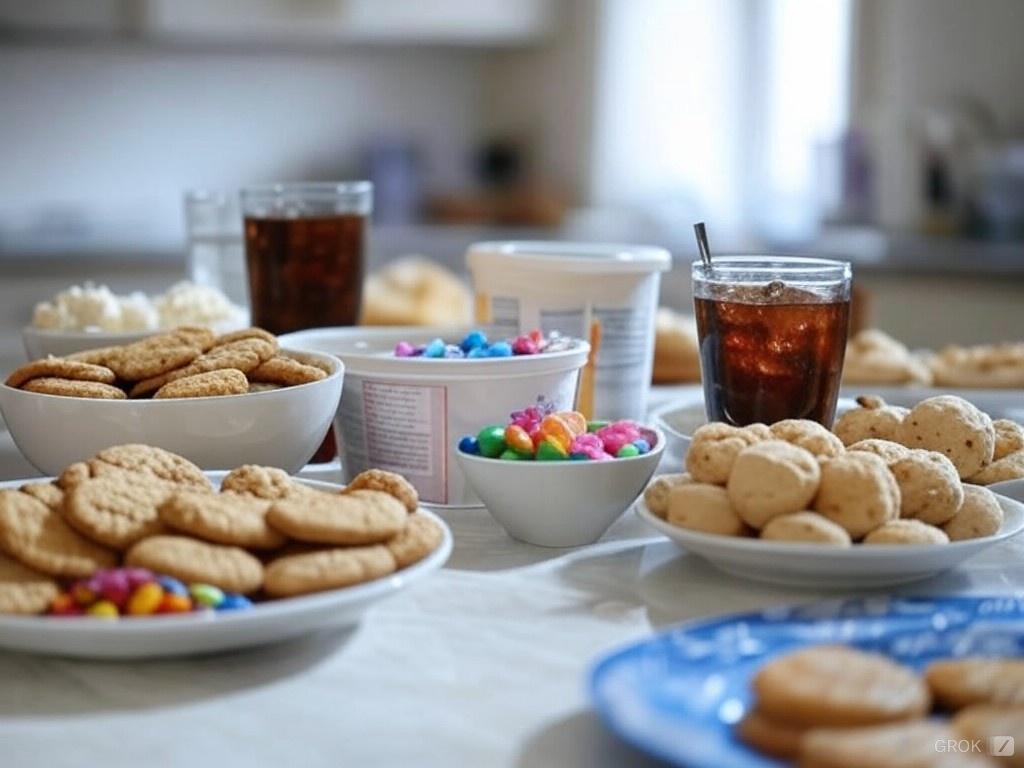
x,y
122,130
912,54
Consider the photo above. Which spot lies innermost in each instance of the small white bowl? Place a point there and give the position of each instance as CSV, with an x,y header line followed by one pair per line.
x,y
280,428
559,503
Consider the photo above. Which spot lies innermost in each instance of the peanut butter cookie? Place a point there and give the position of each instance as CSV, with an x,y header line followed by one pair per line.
x,y
261,482
247,333
60,368
419,538
957,683
390,483
894,745
285,371
22,590
356,517
223,518
40,538
48,493
327,569
833,685
152,356
190,560
117,510
148,459
211,384
73,388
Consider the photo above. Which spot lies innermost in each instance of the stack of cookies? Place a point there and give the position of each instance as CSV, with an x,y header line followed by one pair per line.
x,y
795,481
263,534
837,707
186,362
982,450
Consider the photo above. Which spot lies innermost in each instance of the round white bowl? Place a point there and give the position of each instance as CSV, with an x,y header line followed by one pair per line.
x,y
280,428
559,503
406,414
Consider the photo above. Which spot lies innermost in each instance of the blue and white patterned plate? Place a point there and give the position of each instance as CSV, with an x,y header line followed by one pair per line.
x,y
678,694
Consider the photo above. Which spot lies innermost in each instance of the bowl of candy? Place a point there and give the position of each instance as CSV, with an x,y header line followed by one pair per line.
x,y
410,391
553,479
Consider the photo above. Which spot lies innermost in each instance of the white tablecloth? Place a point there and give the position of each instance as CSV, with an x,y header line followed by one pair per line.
x,y
482,665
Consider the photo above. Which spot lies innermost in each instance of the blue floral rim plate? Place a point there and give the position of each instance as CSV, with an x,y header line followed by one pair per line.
x,y
678,694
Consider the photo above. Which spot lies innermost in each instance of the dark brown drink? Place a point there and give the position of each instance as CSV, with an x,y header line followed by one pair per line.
x,y
305,272
768,362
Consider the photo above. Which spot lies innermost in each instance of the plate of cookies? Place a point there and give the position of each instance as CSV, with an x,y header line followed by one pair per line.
x,y
870,683
138,553
792,504
219,399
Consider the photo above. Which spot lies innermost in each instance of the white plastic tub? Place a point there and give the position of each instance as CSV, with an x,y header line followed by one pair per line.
x,y
605,293
408,414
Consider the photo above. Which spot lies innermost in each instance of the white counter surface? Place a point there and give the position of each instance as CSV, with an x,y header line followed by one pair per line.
x,y
482,665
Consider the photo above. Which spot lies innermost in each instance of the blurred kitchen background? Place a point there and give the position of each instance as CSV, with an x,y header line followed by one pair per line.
x,y
888,132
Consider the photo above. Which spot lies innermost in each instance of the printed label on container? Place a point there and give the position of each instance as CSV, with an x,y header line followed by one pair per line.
x,y
405,431
621,356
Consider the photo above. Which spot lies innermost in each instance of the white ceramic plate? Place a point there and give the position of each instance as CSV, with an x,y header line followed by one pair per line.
x,y
207,632
811,565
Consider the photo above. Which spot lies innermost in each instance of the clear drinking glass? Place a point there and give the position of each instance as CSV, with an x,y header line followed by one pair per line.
x,y
772,334
215,254
305,248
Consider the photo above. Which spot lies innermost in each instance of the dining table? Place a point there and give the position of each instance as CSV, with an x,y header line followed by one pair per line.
x,y
485,663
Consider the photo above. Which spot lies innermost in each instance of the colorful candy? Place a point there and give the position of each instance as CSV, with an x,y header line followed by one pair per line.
x,y
114,592
491,441
475,345
146,599
206,594
541,433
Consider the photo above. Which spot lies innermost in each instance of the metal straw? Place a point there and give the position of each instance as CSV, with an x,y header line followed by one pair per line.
x,y
702,243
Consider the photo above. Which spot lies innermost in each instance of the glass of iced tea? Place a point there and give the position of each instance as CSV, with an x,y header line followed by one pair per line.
x,y
305,245
304,250
772,334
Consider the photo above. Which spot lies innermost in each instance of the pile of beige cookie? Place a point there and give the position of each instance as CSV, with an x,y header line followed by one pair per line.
x,y
875,357
886,476
262,534
190,361
838,707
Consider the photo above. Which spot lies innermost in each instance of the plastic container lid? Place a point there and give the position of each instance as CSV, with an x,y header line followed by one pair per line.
x,y
552,256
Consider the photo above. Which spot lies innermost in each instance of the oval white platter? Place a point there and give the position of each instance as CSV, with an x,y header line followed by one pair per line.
x,y
210,631
815,566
